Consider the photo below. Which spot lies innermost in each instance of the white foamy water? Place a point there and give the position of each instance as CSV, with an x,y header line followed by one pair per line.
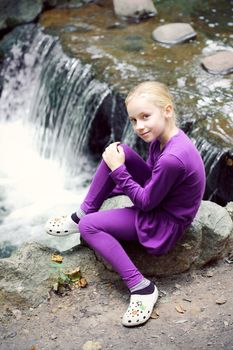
x,y
32,189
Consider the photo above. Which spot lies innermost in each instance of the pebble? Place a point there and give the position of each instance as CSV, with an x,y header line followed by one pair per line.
x,y
181,321
53,336
221,301
209,274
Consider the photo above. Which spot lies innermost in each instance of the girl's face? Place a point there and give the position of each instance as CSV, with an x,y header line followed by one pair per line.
x,y
148,120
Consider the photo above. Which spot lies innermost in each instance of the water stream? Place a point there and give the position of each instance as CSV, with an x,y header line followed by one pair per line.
x,y
44,170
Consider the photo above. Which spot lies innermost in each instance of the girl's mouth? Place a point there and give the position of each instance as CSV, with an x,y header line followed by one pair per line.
x,y
145,133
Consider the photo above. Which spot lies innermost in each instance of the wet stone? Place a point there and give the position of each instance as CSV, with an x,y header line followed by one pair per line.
x,y
134,8
219,63
174,33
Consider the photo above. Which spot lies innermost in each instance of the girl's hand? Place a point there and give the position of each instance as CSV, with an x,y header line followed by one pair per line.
x,y
114,155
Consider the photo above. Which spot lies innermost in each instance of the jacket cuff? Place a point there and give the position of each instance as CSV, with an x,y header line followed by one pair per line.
x,y
114,174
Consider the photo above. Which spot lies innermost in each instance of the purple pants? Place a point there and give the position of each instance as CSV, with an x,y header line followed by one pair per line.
x,y
102,229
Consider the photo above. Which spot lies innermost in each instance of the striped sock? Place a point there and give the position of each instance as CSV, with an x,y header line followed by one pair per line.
x,y
143,287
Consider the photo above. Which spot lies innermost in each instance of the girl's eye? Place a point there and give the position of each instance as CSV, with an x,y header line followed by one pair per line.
x,y
146,116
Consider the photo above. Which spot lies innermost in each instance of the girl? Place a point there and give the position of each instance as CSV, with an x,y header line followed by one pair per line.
x,y
166,191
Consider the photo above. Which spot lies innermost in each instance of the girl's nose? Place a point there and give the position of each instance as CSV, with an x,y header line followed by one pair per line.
x,y
139,126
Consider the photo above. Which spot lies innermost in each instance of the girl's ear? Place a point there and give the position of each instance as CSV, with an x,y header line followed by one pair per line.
x,y
168,110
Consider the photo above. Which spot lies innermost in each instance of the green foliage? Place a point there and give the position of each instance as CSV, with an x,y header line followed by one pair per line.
x,y
58,270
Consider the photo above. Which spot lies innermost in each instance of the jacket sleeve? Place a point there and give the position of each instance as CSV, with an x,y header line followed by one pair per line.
x,y
167,171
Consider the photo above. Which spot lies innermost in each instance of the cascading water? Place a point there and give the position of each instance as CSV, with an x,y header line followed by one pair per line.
x,y
48,104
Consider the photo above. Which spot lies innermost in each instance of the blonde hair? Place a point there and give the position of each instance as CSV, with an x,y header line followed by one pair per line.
x,y
155,92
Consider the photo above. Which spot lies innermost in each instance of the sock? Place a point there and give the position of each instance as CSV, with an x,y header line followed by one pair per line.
x,y
77,215
143,287
75,218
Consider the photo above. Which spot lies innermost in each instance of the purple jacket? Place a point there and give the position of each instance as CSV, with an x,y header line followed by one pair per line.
x,y
170,199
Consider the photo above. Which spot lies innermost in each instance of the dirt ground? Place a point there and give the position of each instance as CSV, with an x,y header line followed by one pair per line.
x,y
194,311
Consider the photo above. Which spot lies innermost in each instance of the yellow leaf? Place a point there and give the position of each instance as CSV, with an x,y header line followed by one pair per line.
x,y
155,314
82,282
57,258
180,309
74,275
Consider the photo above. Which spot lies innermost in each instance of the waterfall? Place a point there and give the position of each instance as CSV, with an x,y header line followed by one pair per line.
x,y
57,95
218,166
48,106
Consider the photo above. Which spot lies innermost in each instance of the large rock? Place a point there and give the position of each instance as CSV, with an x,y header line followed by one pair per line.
x,y
209,238
173,33
219,63
27,276
229,208
14,12
134,8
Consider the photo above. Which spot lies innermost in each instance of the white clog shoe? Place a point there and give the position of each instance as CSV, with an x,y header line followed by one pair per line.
x,y
140,308
61,226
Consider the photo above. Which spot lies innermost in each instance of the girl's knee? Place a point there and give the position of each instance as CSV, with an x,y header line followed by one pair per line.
x,y
84,224
125,147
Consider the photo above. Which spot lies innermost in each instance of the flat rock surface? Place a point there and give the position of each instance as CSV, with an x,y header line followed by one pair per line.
x,y
93,314
173,33
219,63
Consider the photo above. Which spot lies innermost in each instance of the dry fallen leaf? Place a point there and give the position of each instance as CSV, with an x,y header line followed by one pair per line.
x,y
155,314
81,283
74,275
57,258
221,301
180,309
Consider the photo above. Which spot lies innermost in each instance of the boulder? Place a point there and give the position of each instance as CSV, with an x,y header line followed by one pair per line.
x,y
219,63
134,8
27,276
14,12
207,239
229,208
173,33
